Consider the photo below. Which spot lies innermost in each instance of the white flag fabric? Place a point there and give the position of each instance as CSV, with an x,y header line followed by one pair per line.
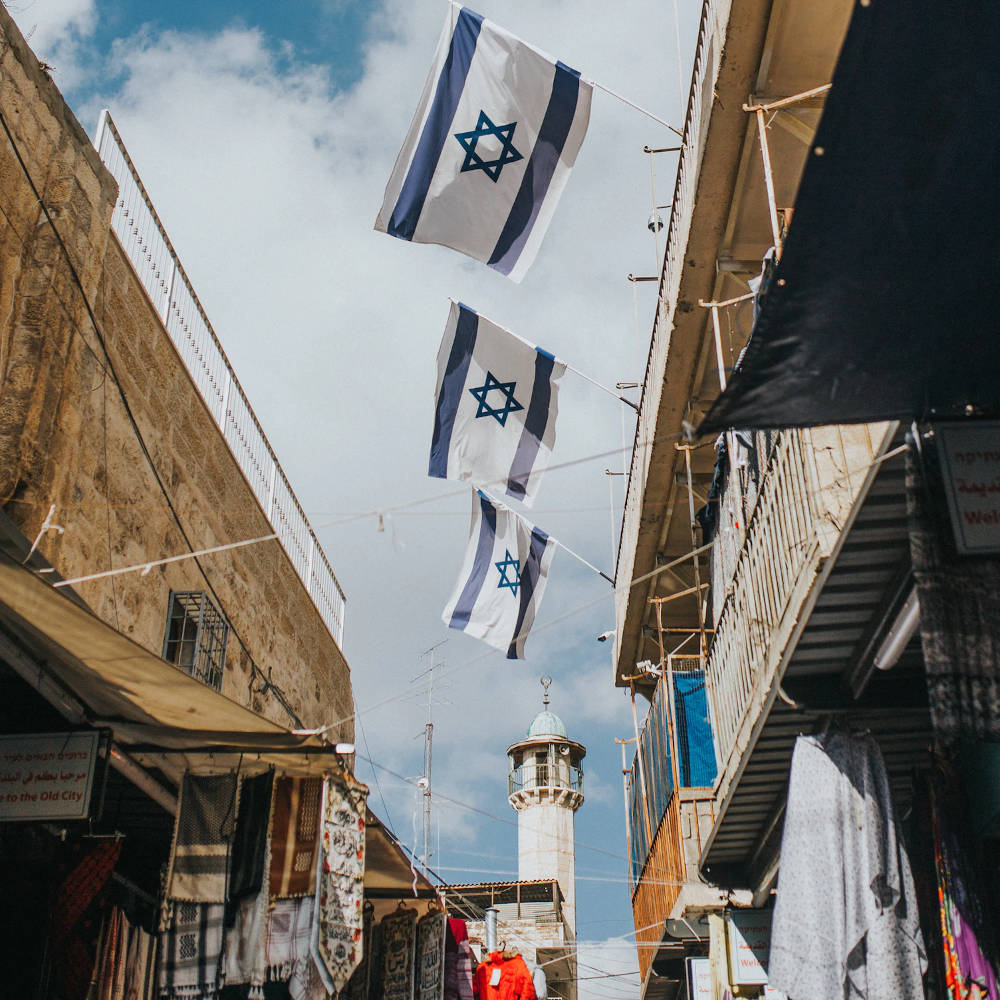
x,y
490,147
495,407
502,579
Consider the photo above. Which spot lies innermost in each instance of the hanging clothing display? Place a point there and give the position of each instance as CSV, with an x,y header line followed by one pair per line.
x,y
110,978
845,919
459,966
430,960
338,920
139,963
359,984
206,818
376,962
190,949
246,940
399,931
969,973
294,836
504,976
289,938
253,825
959,612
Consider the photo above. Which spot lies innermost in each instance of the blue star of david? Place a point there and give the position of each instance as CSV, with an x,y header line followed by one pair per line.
x,y
509,562
510,405
507,154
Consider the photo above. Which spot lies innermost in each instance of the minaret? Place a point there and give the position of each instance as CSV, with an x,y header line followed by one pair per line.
x,y
546,789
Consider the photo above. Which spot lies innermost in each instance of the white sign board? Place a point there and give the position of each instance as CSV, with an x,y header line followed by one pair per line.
x,y
46,776
699,972
970,467
749,933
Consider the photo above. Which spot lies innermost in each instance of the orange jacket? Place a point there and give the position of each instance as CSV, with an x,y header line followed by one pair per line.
x,y
515,979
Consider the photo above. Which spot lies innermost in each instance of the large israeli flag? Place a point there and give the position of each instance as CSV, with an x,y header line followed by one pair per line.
x,y
502,579
495,406
490,147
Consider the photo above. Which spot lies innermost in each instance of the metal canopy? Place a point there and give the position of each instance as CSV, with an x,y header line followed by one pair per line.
x,y
818,686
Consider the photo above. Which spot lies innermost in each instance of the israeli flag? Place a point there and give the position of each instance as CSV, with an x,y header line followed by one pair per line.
x,y
502,578
495,407
490,147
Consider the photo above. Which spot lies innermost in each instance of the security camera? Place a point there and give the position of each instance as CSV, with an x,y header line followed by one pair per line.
x,y
604,636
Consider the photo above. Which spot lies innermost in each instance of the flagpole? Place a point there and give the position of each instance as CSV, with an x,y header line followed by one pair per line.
x,y
604,388
631,104
577,556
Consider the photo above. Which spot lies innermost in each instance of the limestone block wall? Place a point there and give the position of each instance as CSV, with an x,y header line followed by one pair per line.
x,y
78,394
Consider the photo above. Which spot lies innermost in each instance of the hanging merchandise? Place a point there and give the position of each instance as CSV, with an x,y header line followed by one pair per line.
x,y
966,931
110,971
288,951
139,964
190,950
451,184
845,918
495,407
206,817
504,976
294,836
358,988
430,959
338,919
459,964
959,611
246,939
502,578
375,950
253,825
398,953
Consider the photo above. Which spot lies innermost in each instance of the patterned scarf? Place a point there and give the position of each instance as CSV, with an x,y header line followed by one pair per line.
x,y
340,883
431,929
289,937
294,837
190,949
399,945
205,820
250,838
458,962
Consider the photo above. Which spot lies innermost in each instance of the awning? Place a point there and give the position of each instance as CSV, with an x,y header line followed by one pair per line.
x,y
153,708
883,302
388,874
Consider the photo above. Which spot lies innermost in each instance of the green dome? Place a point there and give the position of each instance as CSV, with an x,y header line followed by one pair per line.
x,y
547,724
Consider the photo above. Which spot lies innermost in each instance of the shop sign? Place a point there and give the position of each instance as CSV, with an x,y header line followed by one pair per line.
x,y
699,972
47,776
749,934
970,468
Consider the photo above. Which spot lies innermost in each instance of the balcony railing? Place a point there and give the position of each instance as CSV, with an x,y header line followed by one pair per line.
x,y
545,775
155,261
806,491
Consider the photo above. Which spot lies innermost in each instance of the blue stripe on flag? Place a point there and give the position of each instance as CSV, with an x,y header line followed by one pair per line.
x,y
484,552
451,83
541,166
529,580
534,427
451,389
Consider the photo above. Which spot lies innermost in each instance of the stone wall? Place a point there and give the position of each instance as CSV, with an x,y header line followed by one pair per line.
x,y
81,393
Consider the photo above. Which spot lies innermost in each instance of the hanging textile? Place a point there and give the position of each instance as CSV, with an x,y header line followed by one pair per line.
x,y
190,949
399,946
959,612
288,951
845,918
139,964
246,960
206,815
504,976
430,959
294,836
965,926
111,974
376,962
358,986
459,964
253,823
338,920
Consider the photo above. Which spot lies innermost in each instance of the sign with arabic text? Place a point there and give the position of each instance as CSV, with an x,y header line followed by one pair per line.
x,y
749,933
45,776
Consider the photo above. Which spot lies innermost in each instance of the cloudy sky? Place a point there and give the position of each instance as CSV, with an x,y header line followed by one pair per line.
x,y
265,134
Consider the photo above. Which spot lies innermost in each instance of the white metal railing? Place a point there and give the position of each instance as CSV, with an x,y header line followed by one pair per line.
x,y
148,248
714,21
781,539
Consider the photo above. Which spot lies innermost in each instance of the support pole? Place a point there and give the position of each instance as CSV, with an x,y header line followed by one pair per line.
x,y
694,542
642,771
772,204
628,818
669,675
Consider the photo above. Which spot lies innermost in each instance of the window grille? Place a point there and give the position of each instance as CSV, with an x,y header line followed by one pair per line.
x,y
196,636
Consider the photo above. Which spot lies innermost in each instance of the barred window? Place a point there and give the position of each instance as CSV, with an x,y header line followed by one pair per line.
x,y
196,636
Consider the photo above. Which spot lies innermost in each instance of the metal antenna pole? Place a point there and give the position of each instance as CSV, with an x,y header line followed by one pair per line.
x,y
428,742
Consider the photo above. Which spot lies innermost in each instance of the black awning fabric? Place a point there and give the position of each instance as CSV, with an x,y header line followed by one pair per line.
x,y
884,302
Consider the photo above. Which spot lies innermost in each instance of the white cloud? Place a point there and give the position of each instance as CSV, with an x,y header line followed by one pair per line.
x,y
56,30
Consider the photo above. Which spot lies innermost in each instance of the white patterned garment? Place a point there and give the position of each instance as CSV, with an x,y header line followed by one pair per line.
x,y
845,921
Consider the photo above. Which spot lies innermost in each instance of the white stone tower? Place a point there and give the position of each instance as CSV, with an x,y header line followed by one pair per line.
x,y
546,789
